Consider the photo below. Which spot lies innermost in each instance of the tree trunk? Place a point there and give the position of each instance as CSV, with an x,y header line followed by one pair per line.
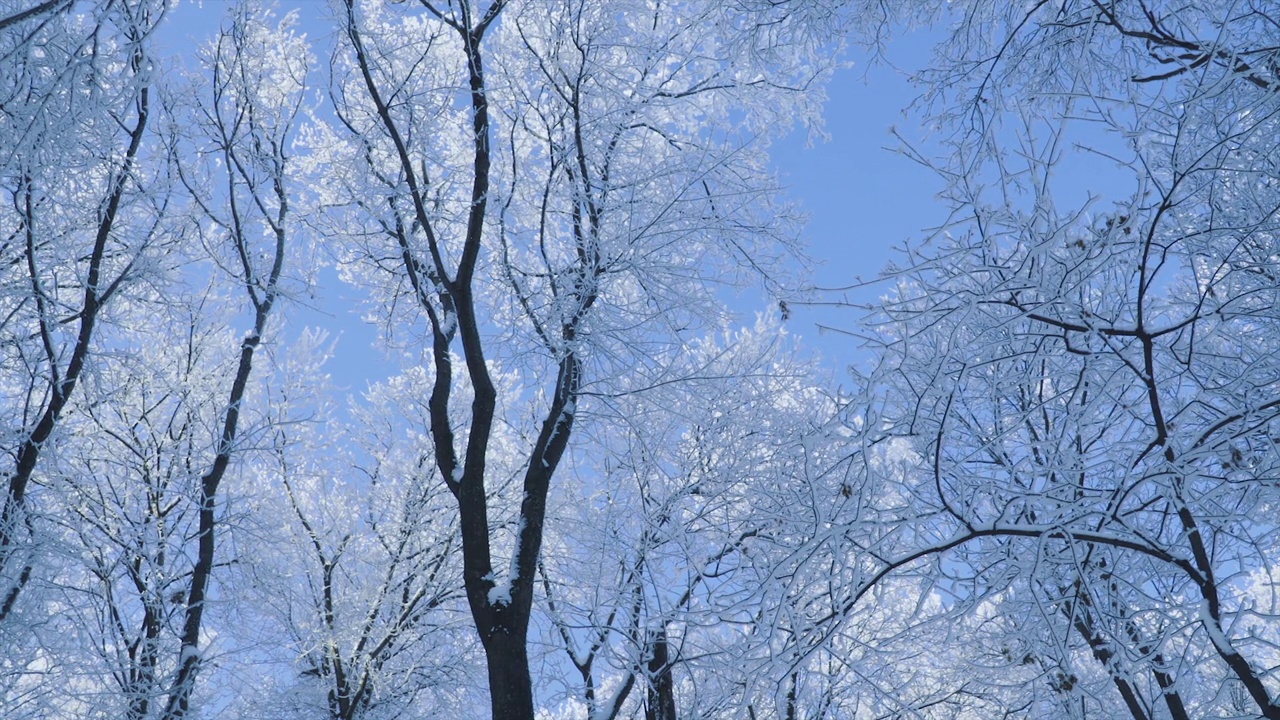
x,y
662,692
510,687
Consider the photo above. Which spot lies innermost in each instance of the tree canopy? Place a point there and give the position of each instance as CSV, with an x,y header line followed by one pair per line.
x,y
600,478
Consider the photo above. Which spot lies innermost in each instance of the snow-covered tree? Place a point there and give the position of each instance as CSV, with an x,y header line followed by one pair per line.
x,y
554,189
683,506
80,222
1082,370
191,238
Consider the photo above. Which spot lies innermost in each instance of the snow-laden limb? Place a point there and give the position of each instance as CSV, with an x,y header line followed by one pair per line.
x,y
245,105
359,575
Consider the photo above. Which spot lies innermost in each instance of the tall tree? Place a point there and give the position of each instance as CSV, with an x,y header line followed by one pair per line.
x,y
78,226
554,188
244,119
131,499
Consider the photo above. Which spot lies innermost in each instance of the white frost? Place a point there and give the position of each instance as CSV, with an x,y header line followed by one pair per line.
x,y
500,594
189,653
1214,630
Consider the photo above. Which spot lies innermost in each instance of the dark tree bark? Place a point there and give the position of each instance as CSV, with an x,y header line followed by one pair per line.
x,y
262,287
661,704
445,294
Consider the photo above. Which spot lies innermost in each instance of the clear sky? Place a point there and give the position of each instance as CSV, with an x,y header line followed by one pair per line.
x,y
862,197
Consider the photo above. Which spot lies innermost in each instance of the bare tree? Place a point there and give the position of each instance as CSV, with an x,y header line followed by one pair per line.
x,y
245,118
77,104
552,188
1087,388
366,582
655,567
128,507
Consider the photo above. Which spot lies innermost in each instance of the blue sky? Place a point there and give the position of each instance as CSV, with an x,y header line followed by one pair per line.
x,y
863,198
